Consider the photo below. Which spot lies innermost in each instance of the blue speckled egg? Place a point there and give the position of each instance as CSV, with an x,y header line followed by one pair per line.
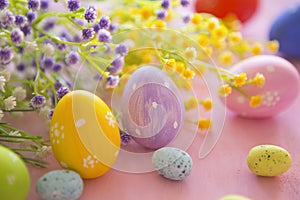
x,y
60,185
286,30
172,163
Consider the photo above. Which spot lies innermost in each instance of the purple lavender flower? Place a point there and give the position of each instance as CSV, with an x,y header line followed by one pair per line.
x,y
26,29
48,25
61,46
79,21
161,14
50,114
34,4
73,5
88,33
21,67
165,4
7,19
20,20
57,67
37,101
6,55
125,138
44,4
96,27
121,49
113,28
3,4
90,14
48,63
72,58
116,65
57,84
17,36
31,16
112,81
186,19
184,3
104,35
104,22
98,76
77,38
62,92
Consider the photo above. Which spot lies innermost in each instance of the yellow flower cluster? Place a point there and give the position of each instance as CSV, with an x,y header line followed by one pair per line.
x,y
204,124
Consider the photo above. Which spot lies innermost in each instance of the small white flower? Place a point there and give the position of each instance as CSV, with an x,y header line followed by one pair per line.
x,y
1,115
31,46
19,93
44,152
14,133
48,50
2,83
190,53
44,112
10,103
6,74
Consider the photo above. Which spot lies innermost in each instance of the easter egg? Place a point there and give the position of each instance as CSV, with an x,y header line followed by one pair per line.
x,y
279,91
220,8
60,185
286,30
152,109
14,176
84,134
172,163
234,197
269,160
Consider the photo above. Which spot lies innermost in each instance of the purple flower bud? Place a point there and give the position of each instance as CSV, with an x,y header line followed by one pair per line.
x,y
112,81
161,14
3,4
165,4
48,25
104,35
20,20
57,67
125,138
113,28
186,19
26,29
48,63
58,84
34,4
90,14
31,16
98,77
37,101
116,65
121,49
50,114
44,4
104,22
21,67
73,5
77,38
7,19
88,33
184,3
62,92
6,55
96,28
72,58
17,36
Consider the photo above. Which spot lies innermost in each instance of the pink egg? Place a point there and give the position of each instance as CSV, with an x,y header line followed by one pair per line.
x,y
152,110
280,90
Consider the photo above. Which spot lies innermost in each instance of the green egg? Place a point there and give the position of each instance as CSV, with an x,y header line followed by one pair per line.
x,y
14,176
269,160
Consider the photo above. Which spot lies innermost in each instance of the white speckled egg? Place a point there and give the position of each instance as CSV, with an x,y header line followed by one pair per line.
x,y
280,90
172,163
14,176
234,197
60,185
152,108
269,160
84,134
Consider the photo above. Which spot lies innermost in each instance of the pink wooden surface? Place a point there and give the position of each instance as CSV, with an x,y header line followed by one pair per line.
x,y
224,170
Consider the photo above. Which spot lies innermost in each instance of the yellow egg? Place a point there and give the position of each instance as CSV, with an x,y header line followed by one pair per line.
x,y
234,197
269,160
84,134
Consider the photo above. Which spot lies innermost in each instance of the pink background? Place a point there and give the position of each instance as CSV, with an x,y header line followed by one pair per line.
x,y
224,170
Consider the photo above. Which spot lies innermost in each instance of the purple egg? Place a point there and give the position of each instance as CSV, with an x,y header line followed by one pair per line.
x,y
152,109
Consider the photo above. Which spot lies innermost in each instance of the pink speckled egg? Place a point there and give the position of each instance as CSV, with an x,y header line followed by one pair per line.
x,y
152,109
280,90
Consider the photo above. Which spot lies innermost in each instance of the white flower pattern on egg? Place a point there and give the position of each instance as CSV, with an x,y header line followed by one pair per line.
x,y
11,178
270,98
90,161
57,133
111,120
